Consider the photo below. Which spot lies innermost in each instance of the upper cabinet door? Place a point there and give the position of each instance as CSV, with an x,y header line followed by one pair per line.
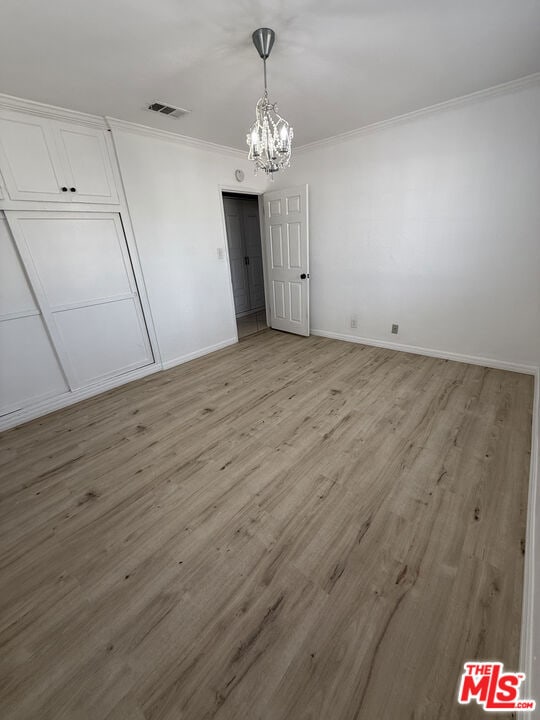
x,y
29,158
46,160
85,155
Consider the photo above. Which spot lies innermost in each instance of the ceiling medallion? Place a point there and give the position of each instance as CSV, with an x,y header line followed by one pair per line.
x,y
270,136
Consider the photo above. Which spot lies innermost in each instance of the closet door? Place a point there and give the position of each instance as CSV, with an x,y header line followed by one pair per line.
x,y
79,266
29,368
237,255
85,155
29,158
43,159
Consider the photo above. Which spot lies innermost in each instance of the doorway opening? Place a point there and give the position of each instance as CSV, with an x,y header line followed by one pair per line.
x,y
246,262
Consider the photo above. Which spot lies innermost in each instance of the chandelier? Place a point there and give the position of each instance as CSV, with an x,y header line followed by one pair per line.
x,y
270,136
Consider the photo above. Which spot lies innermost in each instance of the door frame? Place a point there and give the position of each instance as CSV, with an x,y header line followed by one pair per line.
x,y
243,191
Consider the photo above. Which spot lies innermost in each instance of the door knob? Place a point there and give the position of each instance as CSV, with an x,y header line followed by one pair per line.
x,y
63,189
73,189
303,276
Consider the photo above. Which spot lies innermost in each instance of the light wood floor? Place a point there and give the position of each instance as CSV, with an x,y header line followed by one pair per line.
x,y
288,529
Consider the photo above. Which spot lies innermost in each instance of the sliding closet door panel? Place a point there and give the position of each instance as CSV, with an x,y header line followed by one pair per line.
x,y
78,260
80,268
15,295
102,338
29,368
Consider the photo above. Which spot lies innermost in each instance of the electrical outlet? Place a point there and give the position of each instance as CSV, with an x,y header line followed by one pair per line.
x,y
220,253
395,328
354,321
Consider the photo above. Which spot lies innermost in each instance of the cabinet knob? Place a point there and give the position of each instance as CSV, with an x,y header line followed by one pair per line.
x,y
63,189
73,189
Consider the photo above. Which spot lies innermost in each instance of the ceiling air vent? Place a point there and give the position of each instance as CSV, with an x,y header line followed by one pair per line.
x,y
169,110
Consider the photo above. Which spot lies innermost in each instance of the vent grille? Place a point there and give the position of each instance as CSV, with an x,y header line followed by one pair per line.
x,y
170,110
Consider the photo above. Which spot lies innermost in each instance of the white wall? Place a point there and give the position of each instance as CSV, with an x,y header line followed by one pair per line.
x,y
432,223
175,206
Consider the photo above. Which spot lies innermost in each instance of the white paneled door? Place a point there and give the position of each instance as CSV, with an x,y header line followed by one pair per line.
x,y
286,235
80,269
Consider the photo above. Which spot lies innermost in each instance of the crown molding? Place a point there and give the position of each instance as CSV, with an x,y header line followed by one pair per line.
x,y
147,131
17,104
479,95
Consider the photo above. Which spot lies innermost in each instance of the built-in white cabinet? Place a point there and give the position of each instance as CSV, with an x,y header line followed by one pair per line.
x,y
71,316
43,159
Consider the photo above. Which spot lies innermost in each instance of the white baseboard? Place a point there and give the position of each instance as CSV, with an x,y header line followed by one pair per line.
x,y
531,686
199,353
44,407
443,354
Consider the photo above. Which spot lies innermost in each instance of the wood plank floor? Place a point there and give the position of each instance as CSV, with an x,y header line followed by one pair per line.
x,y
288,529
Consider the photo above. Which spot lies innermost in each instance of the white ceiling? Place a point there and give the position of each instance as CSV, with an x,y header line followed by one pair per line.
x,y
337,64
